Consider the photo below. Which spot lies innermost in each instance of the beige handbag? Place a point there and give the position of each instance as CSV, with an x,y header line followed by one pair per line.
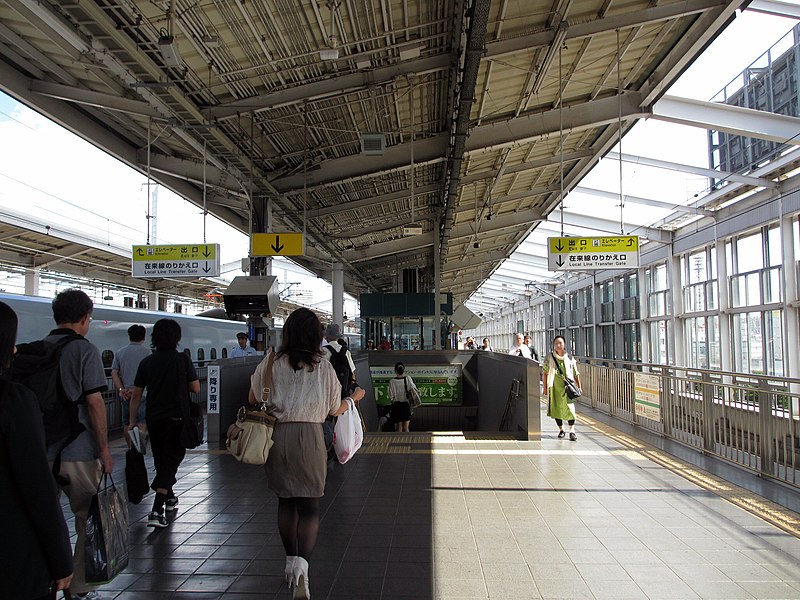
x,y
250,437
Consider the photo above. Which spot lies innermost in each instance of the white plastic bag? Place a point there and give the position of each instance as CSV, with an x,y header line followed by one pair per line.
x,y
348,433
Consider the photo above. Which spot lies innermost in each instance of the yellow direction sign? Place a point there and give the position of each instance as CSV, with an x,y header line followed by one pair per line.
x,y
276,244
178,260
586,253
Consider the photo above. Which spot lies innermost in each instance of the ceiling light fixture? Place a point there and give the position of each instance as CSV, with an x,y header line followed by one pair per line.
x,y
332,51
169,49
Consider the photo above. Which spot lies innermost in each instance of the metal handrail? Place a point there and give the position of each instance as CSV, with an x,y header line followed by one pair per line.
x,y
750,420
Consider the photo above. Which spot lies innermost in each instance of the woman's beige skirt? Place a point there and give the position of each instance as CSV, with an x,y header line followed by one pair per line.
x,y
297,462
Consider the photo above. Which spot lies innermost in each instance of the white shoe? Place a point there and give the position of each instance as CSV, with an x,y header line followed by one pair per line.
x,y
300,579
289,570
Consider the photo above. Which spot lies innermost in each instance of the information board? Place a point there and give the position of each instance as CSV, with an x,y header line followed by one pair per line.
x,y
647,396
212,405
586,253
437,384
185,260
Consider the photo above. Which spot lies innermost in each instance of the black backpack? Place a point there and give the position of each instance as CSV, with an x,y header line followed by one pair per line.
x,y
36,366
342,367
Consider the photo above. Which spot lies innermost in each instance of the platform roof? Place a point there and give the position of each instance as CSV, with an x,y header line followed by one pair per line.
x,y
490,110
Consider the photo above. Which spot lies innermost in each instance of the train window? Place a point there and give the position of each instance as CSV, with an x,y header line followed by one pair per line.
x,y
224,353
213,354
201,354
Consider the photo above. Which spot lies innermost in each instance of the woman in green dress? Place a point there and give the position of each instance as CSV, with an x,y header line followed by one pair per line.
x,y
559,406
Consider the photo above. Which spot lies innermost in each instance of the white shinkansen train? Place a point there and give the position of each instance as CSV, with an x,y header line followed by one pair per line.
x,y
206,339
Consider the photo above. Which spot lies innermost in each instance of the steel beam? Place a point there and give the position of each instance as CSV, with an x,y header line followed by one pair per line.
x,y
609,227
400,196
405,244
643,201
710,173
341,84
730,119
531,126
776,8
533,164
515,219
91,98
624,19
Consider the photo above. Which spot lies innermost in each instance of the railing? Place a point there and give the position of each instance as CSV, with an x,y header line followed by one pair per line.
x,y
750,420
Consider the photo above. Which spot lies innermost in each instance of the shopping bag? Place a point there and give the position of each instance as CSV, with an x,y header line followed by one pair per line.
x,y
135,475
106,546
348,433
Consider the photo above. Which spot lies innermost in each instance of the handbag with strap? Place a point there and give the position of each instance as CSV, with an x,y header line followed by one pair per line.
x,y
572,389
250,437
192,430
412,395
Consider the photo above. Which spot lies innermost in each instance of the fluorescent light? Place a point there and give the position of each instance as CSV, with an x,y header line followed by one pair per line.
x,y
329,54
169,50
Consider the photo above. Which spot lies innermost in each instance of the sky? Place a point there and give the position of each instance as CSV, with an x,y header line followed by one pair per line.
x,y
55,177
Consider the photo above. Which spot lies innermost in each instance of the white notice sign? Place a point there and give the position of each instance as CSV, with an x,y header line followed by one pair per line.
x,y
647,396
213,389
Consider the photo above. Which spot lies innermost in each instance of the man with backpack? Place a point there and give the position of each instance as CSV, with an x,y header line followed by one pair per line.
x,y
335,350
83,452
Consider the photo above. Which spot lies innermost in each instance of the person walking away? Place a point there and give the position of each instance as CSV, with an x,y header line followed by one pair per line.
x,y
36,553
528,341
519,348
242,349
486,347
168,376
123,372
84,460
401,409
337,353
304,391
560,407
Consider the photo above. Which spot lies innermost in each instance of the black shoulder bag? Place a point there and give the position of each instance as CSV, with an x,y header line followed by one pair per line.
x,y
192,432
572,389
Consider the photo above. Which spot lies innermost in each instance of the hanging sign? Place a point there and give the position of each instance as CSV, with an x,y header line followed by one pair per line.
x,y
585,253
276,244
185,260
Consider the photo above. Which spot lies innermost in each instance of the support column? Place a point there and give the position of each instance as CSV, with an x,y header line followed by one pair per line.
x,y
723,276
644,323
337,279
152,300
790,311
678,323
32,282
437,299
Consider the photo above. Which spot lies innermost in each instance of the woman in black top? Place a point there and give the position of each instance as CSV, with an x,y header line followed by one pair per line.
x,y
168,376
36,552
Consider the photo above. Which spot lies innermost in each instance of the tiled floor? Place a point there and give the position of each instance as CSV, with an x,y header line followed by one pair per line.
x,y
447,517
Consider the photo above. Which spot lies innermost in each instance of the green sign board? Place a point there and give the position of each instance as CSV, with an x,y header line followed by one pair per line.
x,y
437,384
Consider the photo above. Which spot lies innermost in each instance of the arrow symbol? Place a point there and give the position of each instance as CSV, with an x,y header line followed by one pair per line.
x,y
206,269
140,252
559,246
277,246
559,261
206,253
630,242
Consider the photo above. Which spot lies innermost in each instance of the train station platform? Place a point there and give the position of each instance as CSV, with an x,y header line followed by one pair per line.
x,y
466,516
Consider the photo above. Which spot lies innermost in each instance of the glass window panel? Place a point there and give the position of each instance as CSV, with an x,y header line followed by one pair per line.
x,y
712,341
749,253
697,267
729,257
696,351
796,238
632,342
773,342
774,247
713,260
658,342
772,285
711,295
753,289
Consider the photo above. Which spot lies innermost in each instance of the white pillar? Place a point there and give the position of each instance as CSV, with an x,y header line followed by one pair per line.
x,y
792,332
674,280
152,300
644,323
723,277
337,279
32,282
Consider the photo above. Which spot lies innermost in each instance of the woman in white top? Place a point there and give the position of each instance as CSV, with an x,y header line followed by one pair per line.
x,y
401,409
304,391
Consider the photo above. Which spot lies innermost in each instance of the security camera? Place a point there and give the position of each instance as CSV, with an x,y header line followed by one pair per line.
x,y
476,245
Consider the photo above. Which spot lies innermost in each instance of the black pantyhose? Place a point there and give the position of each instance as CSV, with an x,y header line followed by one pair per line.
x,y
298,524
